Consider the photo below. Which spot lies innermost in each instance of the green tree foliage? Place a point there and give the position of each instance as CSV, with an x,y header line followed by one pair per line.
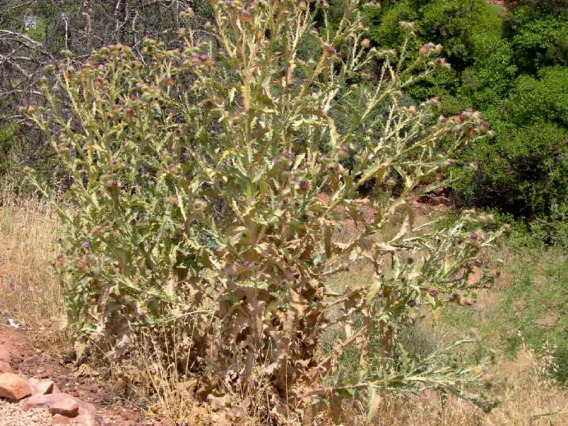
x,y
539,40
507,64
546,6
208,192
525,168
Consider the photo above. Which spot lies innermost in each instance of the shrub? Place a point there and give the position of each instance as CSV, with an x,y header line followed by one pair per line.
x,y
489,78
6,143
539,39
525,168
208,189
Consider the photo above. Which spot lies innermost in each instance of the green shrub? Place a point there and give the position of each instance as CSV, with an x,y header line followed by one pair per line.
x,y
208,187
546,6
539,39
492,73
525,168
6,144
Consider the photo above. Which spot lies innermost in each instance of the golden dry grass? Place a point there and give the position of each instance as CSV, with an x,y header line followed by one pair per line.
x,y
30,291
528,397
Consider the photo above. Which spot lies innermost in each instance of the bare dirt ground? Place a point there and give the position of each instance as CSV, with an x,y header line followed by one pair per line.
x,y
32,361
500,3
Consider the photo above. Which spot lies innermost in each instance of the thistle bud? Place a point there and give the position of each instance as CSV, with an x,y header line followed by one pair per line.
x,y
329,51
425,50
303,186
187,13
246,15
407,26
442,63
459,119
366,43
199,205
82,266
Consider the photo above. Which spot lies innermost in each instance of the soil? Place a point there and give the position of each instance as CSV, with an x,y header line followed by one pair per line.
x,y
31,360
500,3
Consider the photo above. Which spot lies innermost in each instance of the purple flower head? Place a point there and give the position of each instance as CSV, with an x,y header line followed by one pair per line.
x,y
86,246
247,262
276,160
303,185
434,293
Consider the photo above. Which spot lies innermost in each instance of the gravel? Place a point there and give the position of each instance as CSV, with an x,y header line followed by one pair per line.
x,y
13,415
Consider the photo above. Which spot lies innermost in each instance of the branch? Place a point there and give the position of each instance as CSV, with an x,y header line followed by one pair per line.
x,y
25,41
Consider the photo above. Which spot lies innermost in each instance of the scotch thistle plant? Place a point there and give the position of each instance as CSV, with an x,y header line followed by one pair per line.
x,y
210,183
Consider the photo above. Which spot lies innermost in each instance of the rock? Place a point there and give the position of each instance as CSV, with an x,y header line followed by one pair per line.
x,y
58,419
4,353
88,414
5,367
41,387
14,387
80,420
59,403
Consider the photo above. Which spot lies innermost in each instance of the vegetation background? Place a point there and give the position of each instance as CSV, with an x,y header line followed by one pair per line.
x,y
508,61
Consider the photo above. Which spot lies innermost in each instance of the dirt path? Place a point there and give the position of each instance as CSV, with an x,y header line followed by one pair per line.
x,y
29,360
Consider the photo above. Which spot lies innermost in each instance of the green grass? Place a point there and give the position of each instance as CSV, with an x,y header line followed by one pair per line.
x,y
529,306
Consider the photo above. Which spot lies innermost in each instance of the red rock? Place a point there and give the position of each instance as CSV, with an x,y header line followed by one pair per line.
x,y
14,387
80,420
59,403
87,408
5,367
85,420
58,419
4,353
41,387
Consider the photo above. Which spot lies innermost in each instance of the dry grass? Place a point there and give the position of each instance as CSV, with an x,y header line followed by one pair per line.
x,y
30,291
528,398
